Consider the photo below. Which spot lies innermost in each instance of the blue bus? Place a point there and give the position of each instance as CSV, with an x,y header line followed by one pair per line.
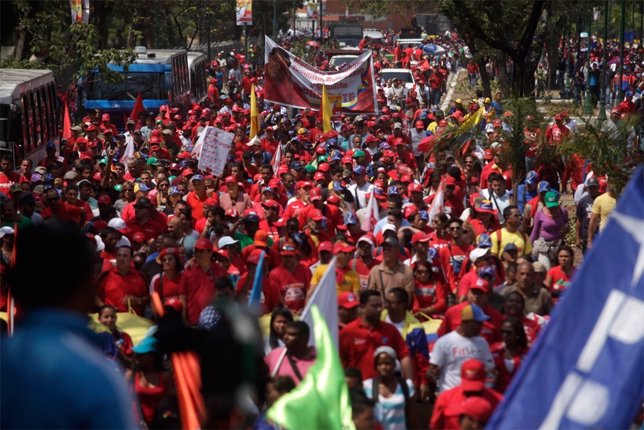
x,y
161,76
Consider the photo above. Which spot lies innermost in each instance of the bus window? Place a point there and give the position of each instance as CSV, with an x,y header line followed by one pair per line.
x,y
26,136
45,118
149,85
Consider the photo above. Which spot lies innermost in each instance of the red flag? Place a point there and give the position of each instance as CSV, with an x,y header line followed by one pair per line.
x,y
138,107
67,123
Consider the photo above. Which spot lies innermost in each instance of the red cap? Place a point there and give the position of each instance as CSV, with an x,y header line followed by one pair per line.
x,y
488,154
348,300
481,284
303,184
203,243
414,187
343,247
420,124
231,179
449,180
138,237
315,194
419,237
315,215
104,199
319,176
270,203
324,167
410,210
105,117
477,408
325,246
232,212
472,375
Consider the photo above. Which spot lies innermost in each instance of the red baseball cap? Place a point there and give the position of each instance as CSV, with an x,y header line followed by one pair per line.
x,y
348,300
477,408
481,284
343,247
315,215
253,257
319,176
315,194
449,180
325,246
231,179
414,187
270,203
419,237
288,249
203,243
472,375
488,154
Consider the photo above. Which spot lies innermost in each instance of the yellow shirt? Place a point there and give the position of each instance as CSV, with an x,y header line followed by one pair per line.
x,y
603,206
522,241
350,281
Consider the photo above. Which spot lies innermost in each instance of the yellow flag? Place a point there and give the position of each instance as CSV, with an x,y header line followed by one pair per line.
x,y
254,113
327,110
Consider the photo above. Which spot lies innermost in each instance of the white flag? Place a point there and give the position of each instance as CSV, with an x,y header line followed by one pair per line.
x,y
277,158
325,297
437,203
371,214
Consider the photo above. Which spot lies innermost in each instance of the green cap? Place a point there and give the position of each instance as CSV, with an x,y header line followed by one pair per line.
x,y
118,187
552,199
359,153
310,168
102,160
322,159
152,161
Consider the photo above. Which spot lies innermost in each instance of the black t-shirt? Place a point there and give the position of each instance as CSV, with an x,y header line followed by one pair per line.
x,y
583,212
151,268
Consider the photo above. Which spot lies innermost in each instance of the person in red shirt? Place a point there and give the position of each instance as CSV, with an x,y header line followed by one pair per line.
x,y
558,279
196,198
447,409
168,283
479,295
364,261
509,353
106,125
430,292
556,133
143,221
123,287
454,254
198,282
360,338
7,176
270,298
514,307
292,277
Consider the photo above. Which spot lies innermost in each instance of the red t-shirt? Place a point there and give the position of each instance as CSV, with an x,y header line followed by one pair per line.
x,y
451,259
560,281
292,285
447,409
270,293
433,294
171,286
199,289
151,229
113,287
363,270
358,343
504,371
491,330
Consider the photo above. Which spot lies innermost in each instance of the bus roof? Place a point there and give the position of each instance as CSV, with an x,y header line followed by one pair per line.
x,y
12,80
194,56
153,60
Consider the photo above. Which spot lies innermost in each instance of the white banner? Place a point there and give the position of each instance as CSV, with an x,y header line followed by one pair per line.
x,y
215,145
290,81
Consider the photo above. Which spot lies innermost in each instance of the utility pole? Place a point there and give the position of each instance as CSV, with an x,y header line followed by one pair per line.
x,y
602,96
274,19
622,24
320,13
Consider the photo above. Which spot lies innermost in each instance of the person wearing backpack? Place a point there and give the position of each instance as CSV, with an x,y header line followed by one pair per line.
x,y
390,392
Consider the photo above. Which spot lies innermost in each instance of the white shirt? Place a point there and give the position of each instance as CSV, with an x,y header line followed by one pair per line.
x,y
390,411
362,191
498,203
451,350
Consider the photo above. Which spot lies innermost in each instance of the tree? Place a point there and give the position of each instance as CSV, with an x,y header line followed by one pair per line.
x,y
509,26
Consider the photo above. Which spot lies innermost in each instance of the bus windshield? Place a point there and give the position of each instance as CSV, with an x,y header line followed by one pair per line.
x,y
151,86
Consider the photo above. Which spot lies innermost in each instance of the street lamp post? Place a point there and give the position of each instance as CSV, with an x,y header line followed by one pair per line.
x,y
622,24
602,86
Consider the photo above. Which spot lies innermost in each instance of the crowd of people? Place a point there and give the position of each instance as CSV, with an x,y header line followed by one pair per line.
x,y
438,303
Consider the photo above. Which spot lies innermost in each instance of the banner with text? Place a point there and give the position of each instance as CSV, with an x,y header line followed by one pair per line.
x,y
215,145
290,81
79,11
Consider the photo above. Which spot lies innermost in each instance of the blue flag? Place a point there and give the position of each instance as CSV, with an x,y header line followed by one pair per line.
x,y
586,369
255,298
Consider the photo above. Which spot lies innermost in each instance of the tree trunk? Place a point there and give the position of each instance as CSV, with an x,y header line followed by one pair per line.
x,y
485,78
502,75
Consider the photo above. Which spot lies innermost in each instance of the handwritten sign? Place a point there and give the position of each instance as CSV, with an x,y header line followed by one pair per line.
x,y
215,145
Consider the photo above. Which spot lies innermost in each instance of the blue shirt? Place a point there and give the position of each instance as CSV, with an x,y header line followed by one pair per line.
x,y
53,375
524,196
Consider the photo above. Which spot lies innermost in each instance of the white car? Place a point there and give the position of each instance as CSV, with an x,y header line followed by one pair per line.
x,y
337,61
404,75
